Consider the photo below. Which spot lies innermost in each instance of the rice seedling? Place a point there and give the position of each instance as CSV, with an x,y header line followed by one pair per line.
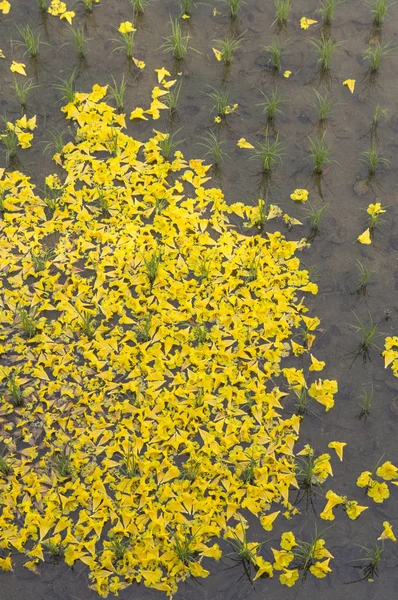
x,y
143,329
200,333
88,5
43,5
374,158
379,10
204,267
79,39
315,216
152,266
168,144
56,143
117,92
234,7
190,470
176,43
305,554
186,6
14,390
56,551
367,332
324,48
323,106
365,405
252,271
372,559
173,97
2,205
129,465
228,46
283,8
379,113
222,104
30,40
119,546
66,87
364,278
22,91
87,323
214,148
183,546
125,42
139,6
40,258
10,141
5,468
275,54
319,153
327,10
302,401
374,55
52,198
268,152
61,462
28,322
270,106
375,211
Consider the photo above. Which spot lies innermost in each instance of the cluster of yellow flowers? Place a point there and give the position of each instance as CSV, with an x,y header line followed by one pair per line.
x,y
142,336
59,9
378,490
391,353
21,128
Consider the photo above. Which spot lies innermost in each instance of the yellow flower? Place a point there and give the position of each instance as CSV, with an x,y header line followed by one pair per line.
x,y
321,569
289,577
6,563
217,119
5,7
387,533
338,446
375,209
288,541
268,520
138,113
364,238
378,492
299,195
387,471
353,509
68,16
316,365
1,53
243,143
305,23
126,27
162,73
18,68
332,501
185,16
139,63
217,54
350,83
287,74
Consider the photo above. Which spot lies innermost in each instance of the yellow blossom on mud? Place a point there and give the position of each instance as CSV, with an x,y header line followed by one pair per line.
x,y
350,83
387,471
268,520
162,73
364,479
299,195
185,16
287,74
18,68
387,533
332,501
243,143
5,7
316,365
139,63
306,23
6,563
321,569
289,577
288,541
217,54
364,238
1,53
353,509
68,16
338,447
217,119
126,27
378,491
375,209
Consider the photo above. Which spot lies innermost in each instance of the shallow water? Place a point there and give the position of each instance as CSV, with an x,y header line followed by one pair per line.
x,y
334,252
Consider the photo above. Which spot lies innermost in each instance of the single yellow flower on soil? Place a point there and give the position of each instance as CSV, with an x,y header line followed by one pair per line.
x,y
387,471
68,16
126,27
299,195
316,365
243,143
387,533
338,447
185,16
217,54
5,7
162,73
353,509
350,83
18,68
289,577
364,238
305,23
287,74
1,53
139,63
375,209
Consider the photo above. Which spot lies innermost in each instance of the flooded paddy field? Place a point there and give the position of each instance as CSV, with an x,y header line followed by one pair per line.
x,y
158,380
